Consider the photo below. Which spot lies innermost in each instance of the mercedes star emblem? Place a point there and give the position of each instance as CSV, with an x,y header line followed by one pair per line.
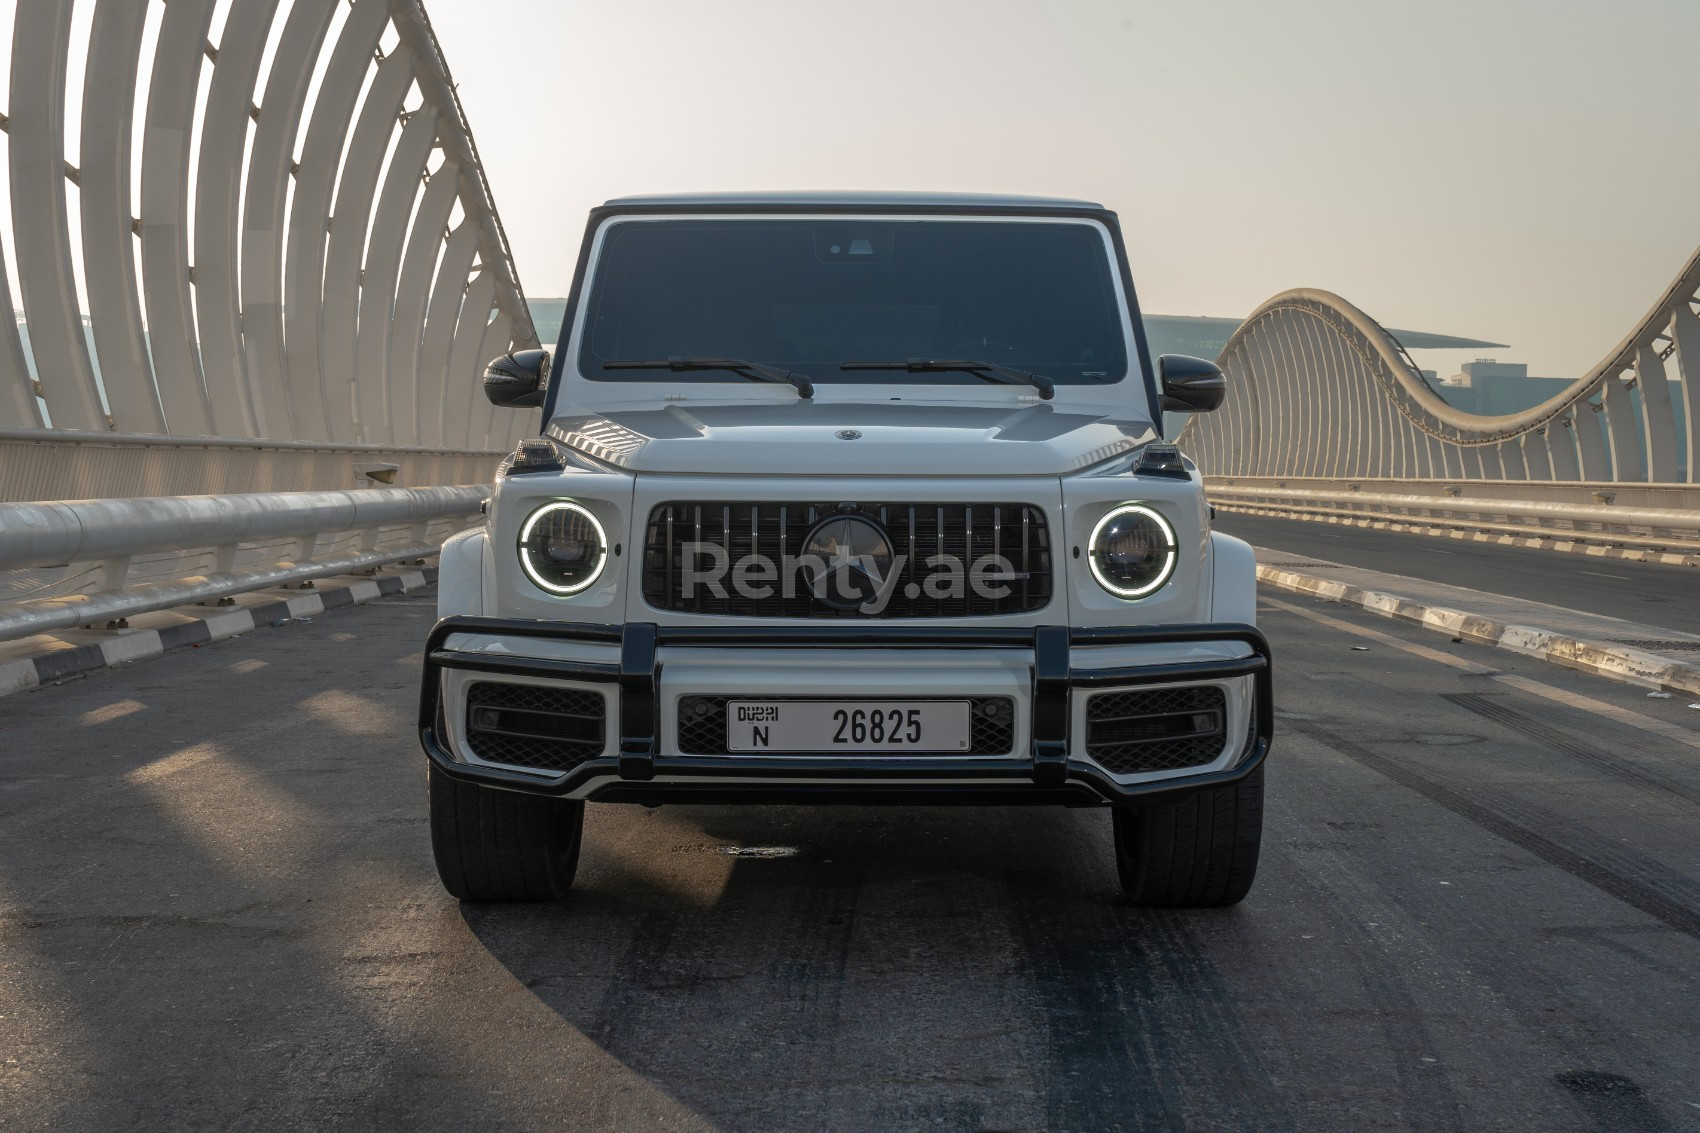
x,y
844,557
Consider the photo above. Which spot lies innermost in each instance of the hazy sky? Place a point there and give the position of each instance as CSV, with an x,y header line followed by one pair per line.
x,y
1525,171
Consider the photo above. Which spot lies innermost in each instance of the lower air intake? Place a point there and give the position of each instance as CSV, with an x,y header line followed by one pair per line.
x,y
1168,729
534,726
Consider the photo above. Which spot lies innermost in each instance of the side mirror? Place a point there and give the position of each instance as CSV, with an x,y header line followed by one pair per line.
x,y
1190,385
517,380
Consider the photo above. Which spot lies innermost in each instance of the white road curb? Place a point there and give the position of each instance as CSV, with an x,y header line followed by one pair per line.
x,y
1417,526
1619,662
49,658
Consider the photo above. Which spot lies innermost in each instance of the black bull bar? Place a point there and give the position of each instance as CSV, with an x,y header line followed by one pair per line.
x,y
1050,775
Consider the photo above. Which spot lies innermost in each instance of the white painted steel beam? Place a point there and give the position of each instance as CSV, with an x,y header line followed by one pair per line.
x,y
41,37
17,395
1656,416
465,367
1621,438
1685,333
356,190
270,166
413,291
1561,442
383,261
109,251
218,212
442,318
309,217
1590,441
165,210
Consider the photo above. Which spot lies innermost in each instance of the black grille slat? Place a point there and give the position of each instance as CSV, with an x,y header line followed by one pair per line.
x,y
777,530
538,726
704,733
1142,730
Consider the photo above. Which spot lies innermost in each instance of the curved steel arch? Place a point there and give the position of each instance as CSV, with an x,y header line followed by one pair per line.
x,y
1320,390
236,305
115,309
345,257
41,39
310,215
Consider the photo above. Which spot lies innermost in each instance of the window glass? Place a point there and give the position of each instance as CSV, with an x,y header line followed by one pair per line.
x,y
809,294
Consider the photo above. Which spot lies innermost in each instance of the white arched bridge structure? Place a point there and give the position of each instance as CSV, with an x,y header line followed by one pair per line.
x,y
1328,417
252,269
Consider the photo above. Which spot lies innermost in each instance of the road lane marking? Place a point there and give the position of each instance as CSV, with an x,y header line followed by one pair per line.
x,y
1665,728
1385,638
1598,574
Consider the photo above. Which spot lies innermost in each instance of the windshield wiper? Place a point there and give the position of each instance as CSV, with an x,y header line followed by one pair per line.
x,y
754,371
987,371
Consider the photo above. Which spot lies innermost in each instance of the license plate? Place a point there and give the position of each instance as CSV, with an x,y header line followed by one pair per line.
x,y
847,725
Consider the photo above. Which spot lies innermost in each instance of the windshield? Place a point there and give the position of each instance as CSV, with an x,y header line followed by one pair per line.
x,y
808,295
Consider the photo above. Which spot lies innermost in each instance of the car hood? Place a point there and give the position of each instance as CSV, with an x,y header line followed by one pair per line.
x,y
853,439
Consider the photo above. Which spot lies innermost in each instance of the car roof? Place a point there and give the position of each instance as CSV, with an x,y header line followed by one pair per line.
x,y
855,199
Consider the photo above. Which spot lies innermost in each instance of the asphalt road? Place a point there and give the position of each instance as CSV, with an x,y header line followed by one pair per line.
x,y
1652,593
1479,909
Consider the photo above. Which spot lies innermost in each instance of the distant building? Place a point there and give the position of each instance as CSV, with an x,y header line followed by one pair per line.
x,y
1492,388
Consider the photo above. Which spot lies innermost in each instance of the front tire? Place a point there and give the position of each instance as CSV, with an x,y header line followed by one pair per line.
x,y
1198,851
494,845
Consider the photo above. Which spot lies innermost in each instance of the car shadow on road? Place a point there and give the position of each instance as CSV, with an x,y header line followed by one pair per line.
x,y
850,967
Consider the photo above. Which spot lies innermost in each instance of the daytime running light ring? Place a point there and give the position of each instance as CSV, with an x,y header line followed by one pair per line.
x,y
1169,561
525,556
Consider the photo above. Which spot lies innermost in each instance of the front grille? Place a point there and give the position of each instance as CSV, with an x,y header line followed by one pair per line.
x,y
1156,729
702,726
551,729
777,532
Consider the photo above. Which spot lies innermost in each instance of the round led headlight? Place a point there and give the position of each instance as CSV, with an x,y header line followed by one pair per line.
x,y
562,548
1132,551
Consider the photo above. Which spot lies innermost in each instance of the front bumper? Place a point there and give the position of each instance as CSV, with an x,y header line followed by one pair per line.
x,y
638,770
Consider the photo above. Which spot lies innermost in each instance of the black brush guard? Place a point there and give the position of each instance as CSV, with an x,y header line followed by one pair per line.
x,y
1050,776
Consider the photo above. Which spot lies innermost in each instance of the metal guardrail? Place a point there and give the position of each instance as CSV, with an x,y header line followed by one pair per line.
x,y
1673,497
1602,520
60,464
85,562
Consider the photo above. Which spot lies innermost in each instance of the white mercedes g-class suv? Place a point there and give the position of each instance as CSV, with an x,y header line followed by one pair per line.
x,y
849,498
